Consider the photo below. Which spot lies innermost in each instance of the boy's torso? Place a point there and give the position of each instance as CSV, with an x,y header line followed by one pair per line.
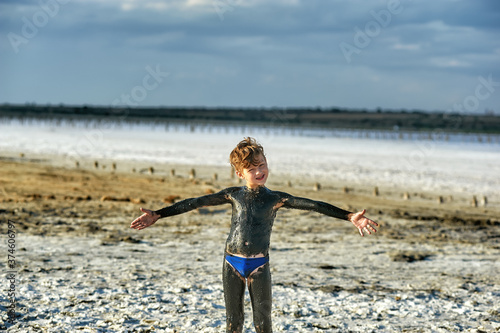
x,y
252,220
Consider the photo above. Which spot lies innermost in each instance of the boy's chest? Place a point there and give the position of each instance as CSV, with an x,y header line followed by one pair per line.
x,y
260,206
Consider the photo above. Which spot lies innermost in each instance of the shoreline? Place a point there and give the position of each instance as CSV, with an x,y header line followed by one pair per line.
x,y
442,168
205,175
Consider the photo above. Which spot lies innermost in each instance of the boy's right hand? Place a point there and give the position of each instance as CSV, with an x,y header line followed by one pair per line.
x,y
145,220
362,223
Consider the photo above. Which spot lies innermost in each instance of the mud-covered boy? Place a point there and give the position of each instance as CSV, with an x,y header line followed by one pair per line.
x,y
254,207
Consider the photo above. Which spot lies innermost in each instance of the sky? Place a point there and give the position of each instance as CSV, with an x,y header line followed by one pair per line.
x,y
394,54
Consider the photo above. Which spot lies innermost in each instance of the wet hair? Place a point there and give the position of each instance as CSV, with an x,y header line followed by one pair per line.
x,y
245,154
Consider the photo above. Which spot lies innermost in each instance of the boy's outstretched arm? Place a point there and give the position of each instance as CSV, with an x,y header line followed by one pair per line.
x,y
362,223
358,219
150,217
145,220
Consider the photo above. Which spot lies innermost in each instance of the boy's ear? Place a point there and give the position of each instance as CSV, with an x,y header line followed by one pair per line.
x,y
239,174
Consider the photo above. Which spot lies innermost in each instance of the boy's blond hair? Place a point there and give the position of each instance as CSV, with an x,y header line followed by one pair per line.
x,y
245,154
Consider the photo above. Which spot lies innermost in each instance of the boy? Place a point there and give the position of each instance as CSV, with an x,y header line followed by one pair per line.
x,y
247,246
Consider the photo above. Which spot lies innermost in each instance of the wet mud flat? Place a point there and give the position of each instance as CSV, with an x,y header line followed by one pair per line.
x,y
432,267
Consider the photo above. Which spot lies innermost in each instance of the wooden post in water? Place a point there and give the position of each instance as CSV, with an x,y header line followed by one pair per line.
x,y
474,201
375,191
406,196
192,174
317,187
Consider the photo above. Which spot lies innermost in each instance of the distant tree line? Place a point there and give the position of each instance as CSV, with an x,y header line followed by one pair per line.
x,y
307,117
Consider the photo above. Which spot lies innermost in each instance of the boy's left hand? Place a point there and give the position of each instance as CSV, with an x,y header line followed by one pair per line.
x,y
362,223
145,220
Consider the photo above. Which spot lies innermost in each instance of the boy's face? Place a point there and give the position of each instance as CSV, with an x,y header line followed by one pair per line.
x,y
255,175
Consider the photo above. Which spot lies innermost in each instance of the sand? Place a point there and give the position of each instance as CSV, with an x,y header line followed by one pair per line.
x,y
432,267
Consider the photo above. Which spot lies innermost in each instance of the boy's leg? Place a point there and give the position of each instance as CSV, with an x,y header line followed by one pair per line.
x,y
234,291
259,287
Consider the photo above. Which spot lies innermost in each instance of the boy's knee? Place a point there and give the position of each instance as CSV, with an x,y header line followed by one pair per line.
x,y
265,306
234,321
234,328
263,323
262,313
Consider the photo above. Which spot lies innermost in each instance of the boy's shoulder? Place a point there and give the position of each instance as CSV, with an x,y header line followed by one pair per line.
x,y
232,189
266,191
281,194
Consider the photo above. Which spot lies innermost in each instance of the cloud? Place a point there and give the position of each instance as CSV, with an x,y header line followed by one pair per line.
x,y
232,52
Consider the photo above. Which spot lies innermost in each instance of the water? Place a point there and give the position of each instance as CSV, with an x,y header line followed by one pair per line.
x,y
446,163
